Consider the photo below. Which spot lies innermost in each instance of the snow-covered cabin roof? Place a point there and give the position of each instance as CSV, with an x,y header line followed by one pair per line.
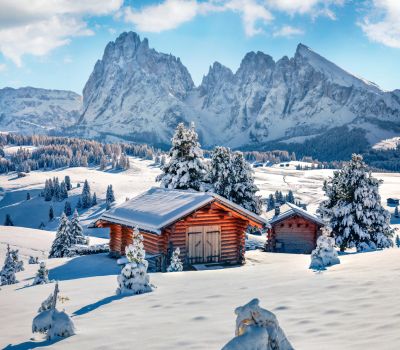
x,y
289,209
159,207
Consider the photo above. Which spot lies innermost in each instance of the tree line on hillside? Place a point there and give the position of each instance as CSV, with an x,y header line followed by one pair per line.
x,y
57,152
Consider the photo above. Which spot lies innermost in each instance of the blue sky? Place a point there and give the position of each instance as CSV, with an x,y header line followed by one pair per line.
x,y
55,43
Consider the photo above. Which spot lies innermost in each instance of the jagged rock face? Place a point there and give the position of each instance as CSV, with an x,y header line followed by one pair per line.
x,y
31,110
137,93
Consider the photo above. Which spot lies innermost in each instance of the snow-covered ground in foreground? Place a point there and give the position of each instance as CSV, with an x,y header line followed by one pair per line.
x,y
353,305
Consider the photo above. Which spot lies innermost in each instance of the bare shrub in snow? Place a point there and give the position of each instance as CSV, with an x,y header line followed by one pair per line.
x,y
134,278
52,322
176,263
42,276
325,253
257,329
33,260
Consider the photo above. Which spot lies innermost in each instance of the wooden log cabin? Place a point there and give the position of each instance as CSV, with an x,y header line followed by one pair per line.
x,y
206,227
292,230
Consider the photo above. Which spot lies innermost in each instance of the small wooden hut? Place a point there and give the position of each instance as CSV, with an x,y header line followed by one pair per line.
x,y
206,227
292,230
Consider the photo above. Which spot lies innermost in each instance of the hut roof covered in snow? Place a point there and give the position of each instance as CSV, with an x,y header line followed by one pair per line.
x,y
289,209
159,207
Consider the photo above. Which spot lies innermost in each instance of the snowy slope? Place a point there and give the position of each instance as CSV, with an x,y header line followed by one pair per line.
x,y
135,92
31,110
349,306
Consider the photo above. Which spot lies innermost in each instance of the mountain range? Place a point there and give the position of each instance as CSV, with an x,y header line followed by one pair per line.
x,y
138,94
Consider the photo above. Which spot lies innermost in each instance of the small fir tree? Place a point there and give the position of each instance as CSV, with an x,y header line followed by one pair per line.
x,y
48,190
86,197
271,202
33,260
50,321
290,197
134,278
79,204
8,221
353,208
7,274
63,240
67,208
68,184
176,263
63,191
186,168
325,253
28,196
397,241
110,198
51,213
76,230
94,199
42,276
18,264
396,212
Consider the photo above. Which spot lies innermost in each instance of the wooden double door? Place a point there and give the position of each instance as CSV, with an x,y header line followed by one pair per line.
x,y
204,244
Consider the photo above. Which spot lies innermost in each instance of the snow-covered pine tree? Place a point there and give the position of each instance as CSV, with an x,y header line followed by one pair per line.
x,y
176,263
67,181
397,241
63,191
7,273
94,199
52,322
8,221
353,208
76,230
28,196
220,172
18,264
48,194
67,208
271,202
51,213
186,168
33,260
290,197
63,240
56,189
325,253
86,196
244,190
42,275
110,198
134,278
396,212
103,163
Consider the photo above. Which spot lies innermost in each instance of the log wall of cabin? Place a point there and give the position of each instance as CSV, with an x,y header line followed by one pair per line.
x,y
232,232
297,234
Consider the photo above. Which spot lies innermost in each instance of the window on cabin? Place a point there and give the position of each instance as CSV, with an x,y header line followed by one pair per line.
x,y
282,225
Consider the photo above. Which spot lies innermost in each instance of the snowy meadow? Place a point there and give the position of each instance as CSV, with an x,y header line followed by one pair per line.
x,y
330,309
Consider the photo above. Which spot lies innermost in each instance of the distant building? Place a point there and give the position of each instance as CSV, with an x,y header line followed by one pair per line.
x,y
293,230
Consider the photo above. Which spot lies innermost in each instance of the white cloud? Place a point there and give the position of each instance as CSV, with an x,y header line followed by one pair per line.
x,y
288,31
170,14
36,26
382,23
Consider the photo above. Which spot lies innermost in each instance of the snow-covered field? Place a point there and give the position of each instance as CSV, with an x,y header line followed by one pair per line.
x,y
353,305
350,306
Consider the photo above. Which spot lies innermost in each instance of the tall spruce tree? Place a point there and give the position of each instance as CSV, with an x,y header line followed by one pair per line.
x,y
186,168
76,230
220,172
86,197
244,189
63,240
353,208
51,213
67,208
67,181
